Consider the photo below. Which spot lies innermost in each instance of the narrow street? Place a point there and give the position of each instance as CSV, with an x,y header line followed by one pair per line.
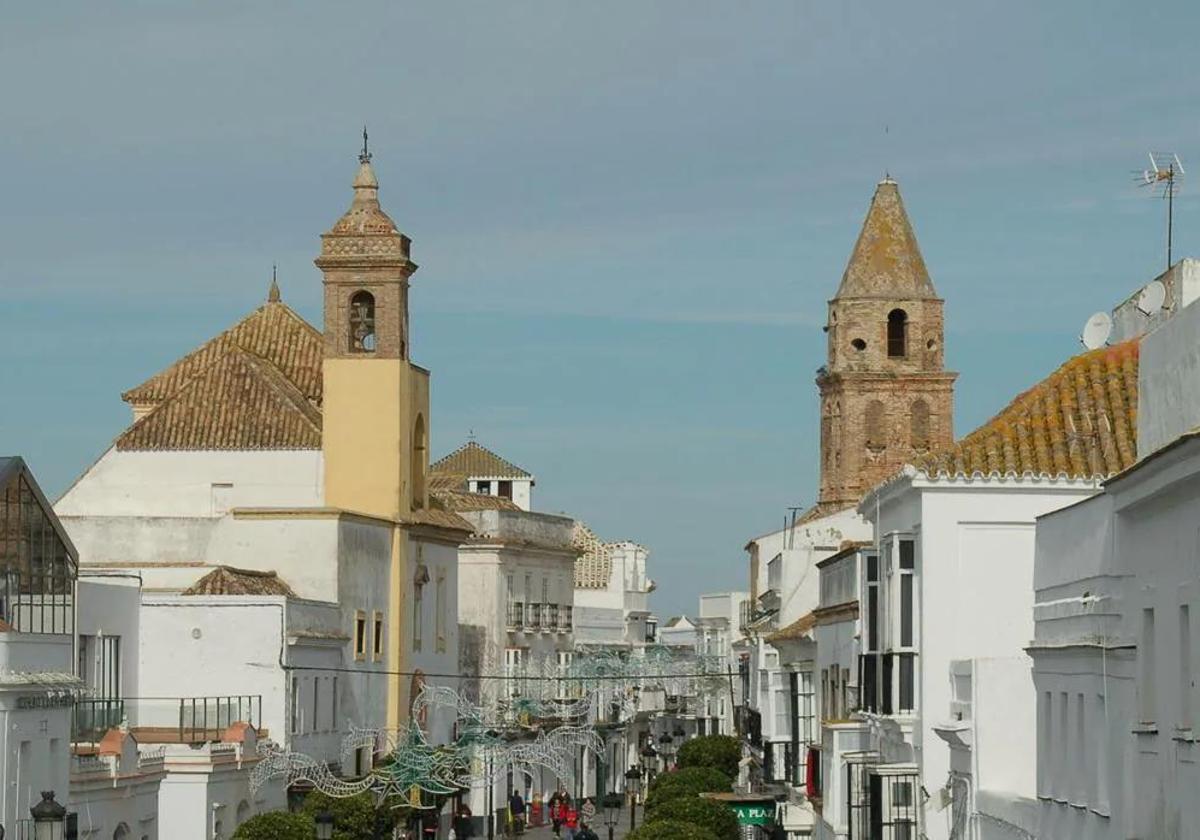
x,y
620,831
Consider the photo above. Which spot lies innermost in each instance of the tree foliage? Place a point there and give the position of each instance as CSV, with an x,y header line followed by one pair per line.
x,y
354,817
717,817
687,783
720,751
672,829
276,825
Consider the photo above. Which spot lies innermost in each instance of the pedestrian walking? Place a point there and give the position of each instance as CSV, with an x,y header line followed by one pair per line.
x,y
588,812
570,819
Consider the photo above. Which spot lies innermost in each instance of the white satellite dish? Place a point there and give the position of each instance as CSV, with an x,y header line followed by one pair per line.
x,y
1096,331
1152,297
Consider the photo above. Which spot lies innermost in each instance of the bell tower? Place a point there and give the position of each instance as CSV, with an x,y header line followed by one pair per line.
x,y
885,395
375,404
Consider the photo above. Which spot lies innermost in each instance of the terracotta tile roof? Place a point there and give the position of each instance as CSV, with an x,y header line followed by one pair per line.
x,y
1081,421
454,500
796,630
237,401
272,332
593,567
886,261
475,461
226,580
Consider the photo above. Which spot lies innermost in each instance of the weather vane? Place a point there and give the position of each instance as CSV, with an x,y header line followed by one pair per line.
x,y
365,155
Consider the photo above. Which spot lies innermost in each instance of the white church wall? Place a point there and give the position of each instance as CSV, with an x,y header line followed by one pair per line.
x,y
194,484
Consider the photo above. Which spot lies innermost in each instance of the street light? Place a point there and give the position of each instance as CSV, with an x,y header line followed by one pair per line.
x,y
324,821
678,732
612,812
48,818
633,781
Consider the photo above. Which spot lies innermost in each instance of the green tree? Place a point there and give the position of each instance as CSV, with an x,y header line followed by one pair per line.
x,y
354,817
715,816
671,830
720,751
687,783
276,825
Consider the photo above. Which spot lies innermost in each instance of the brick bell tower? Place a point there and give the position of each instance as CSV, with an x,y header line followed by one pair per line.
x,y
885,395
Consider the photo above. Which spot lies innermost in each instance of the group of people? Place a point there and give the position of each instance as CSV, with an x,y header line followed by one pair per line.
x,y
576,822
569,822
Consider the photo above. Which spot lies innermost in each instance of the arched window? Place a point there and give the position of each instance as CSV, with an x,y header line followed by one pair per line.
x,y
362,323
897,332
417,466
243,811
121,833
919,425
876,425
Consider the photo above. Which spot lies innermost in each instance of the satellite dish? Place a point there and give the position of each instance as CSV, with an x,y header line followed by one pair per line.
x,y
1152,298
1096,331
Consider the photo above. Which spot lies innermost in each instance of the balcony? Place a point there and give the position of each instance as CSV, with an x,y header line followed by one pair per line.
x,y
516,615
549,616
566,618
533,616
166,720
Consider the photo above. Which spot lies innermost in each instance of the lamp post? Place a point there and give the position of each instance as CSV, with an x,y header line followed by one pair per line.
x,y
324,822
48,816
666,746
612,812
633,781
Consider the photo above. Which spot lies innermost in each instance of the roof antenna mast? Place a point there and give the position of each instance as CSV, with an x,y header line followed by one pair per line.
x,y
1165,170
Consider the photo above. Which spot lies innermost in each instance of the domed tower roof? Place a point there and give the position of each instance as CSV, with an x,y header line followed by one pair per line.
x,y
365,234
886,261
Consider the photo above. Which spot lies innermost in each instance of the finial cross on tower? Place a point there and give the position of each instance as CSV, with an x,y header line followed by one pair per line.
x,y
365,155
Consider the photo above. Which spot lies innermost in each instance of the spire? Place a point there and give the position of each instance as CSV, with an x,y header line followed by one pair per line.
x,y
273,292
886,261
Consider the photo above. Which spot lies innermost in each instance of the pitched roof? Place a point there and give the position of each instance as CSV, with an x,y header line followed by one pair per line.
x,y
886,261
1080,421
593,567
238,401
273,333
796,630
455,500
475,461
226,580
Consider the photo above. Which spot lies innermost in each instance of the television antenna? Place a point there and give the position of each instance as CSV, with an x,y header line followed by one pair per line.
x,y
1165,171
1096,331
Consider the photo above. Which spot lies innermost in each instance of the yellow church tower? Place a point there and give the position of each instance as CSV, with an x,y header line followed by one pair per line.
x,y
375,402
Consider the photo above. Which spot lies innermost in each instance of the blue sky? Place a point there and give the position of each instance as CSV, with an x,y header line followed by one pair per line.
x,y
628,215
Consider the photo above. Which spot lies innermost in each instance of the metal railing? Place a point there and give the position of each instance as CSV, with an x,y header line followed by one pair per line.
x,y
516,615
206,718
92,718
549,616
533,616
566,618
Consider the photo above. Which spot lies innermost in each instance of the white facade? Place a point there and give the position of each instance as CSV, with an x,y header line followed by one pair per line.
x,y
952,583
518,490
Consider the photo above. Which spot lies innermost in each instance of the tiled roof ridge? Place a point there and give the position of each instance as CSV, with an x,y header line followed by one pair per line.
x,y
185,420
179,373
1078,422
459,460
245,581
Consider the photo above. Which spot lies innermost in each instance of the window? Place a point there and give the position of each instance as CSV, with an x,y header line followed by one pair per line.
x,y
417,464
897,333
484,487
362,323
907,681
1185,667
360,635
1146,661
333,706
846,692
377,636
314,725
418,603
565,688
1101,726
835,712
505,489
876,425
513,659
294,717
919,425
1045,729
440,614
906,593
783,727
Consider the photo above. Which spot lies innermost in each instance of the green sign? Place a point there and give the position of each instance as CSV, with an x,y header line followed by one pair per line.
x,y
754,813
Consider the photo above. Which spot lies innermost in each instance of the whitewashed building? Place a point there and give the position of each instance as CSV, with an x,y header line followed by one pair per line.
x,y
1115,644
271,496
482,471
37,640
